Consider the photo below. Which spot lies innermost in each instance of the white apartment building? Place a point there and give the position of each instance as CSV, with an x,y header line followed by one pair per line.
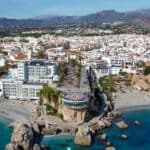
x,y
36,71
26,81
96,71
14,89
2,61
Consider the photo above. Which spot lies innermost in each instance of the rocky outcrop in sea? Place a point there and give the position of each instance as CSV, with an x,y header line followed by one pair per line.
x,y
83,137
22,137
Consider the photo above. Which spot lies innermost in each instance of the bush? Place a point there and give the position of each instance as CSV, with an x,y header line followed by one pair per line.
x,y
50,110
147,70
60,116
4,70
123,73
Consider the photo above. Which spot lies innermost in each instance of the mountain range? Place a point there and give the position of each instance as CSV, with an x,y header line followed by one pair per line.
x,y
138,17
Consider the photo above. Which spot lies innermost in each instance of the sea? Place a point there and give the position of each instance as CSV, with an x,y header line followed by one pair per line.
x,y
5,133
138,136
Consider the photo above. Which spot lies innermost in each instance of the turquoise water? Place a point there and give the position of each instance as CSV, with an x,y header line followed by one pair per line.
x,y
138,136
5,133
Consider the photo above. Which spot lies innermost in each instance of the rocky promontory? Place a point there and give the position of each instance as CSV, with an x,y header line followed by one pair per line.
x,y
83,137
22,137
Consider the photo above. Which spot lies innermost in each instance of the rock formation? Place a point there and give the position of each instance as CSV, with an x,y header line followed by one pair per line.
x,y
22,137
141,82
122,125
110,148
83,137
136,122
123,136
103,137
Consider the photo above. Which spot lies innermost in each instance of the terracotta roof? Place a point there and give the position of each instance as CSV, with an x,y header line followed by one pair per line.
x,y
20,56
147,63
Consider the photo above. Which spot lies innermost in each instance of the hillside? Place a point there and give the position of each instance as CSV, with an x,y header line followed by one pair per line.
x,y
139,17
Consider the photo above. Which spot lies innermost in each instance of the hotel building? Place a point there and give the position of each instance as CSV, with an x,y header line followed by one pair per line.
x,y
25,81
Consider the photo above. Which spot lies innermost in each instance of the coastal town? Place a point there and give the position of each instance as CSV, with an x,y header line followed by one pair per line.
x,y
71,84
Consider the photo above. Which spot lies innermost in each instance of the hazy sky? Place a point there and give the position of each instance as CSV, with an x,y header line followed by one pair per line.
x,y
31,8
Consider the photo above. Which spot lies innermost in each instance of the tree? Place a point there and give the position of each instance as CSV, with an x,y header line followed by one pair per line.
x,y
51,94
147,70
4,70
66,45
122,73
140,64
62,72
41,55
108,85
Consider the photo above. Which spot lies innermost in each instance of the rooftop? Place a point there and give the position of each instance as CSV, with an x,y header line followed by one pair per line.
x,y
40,63
75,96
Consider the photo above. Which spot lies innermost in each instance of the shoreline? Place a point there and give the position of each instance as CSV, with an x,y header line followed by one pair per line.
x,y
9,120
21,111
16,111
60,134
131,99
133,108
122,109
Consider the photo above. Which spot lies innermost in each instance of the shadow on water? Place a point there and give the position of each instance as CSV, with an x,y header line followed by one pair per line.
x,y
38,140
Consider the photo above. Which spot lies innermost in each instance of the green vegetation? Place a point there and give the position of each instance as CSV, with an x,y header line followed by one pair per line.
x,y
111,83
36,35
41,55
3,52
4,70
140,64
62,72
19,33
63,68
90,34
53,96
50,93
123,73
79,67
4,34
147,70
108,85
52,111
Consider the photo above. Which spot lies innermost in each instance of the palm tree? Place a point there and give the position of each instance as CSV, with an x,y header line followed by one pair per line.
x,y
51,95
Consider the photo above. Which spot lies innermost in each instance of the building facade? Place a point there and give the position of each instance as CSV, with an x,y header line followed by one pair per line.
x,y
75,105
26,81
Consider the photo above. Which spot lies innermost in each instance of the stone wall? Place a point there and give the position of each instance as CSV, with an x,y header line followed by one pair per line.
x,y
77,116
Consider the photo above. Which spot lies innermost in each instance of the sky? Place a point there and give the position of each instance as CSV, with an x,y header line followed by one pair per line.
x,y
31,8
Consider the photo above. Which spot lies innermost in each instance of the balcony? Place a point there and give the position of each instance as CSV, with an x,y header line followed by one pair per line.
x,y
75,104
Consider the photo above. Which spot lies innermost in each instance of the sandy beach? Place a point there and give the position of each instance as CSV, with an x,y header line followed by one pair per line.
x,y
21,111
131,99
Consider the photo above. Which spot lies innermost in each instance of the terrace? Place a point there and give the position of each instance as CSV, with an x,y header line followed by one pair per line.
x,y
75,100
75,89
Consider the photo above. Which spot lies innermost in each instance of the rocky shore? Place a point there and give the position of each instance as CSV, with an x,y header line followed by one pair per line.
x,y
84,134
24,135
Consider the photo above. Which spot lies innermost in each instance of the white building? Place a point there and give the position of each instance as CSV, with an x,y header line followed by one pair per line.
x,y
36,71
2,61
26,81
99,70
14,89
